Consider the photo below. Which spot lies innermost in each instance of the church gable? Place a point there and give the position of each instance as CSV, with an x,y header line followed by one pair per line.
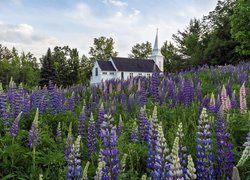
x,y
106,65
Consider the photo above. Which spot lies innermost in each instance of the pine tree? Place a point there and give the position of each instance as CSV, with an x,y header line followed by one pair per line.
x,y
48,72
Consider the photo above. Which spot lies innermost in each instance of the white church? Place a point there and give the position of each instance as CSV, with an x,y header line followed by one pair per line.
x,y
124,68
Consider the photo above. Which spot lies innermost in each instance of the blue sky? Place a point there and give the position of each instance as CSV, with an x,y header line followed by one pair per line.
x,y
35,25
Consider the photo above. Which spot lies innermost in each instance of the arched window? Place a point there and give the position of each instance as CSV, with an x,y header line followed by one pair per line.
x,y
122,75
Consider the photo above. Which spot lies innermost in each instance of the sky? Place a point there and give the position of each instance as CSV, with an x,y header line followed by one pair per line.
x,y
35,25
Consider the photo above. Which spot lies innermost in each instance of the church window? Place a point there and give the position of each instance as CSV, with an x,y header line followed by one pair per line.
x,y
96,71
122,75
140,74
111,73
130,75
104,73
148,75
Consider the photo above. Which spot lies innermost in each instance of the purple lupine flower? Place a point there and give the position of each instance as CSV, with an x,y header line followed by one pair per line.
x,y
234,103
3,109
81,122
204,152
91,136
152,140
142,98
143,124
217,104
212,104
100,118
162,156
225,156
188,92
33,133
120,126
26,103
18,100
74,170
14,128
69,142
154,85
109,151
134,136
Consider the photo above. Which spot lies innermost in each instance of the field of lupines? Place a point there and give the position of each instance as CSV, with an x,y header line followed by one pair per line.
x,y
189,125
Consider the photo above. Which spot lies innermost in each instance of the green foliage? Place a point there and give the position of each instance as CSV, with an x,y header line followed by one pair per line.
x,y
48,72
103,49
240,27
142,50
23,68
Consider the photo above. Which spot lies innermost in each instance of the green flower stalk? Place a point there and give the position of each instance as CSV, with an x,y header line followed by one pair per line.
x,y
123,163
59,132
236,175
85,171
246,152
190,169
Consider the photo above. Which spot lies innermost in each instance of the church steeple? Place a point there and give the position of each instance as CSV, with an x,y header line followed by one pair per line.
x,y
156,50
156,54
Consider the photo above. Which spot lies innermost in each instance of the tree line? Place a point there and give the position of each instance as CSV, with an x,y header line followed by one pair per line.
x,y
221,37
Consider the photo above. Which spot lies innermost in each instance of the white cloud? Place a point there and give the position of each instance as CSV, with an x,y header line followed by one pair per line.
x,y
24,38
116,3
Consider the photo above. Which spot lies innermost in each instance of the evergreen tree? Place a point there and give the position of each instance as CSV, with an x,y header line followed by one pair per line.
x,y
48,72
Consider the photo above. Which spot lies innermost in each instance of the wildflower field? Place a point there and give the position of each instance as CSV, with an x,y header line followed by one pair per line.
x,y
188,125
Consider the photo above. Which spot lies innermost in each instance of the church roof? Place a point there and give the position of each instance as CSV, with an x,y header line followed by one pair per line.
x,y
134,65
106,65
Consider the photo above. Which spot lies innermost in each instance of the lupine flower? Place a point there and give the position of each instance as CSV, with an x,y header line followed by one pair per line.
x,y
14,128
175,171
85,172
217,104
204,153
91,136
246,153
152,139
81,122
74,161
212,104
33,133
143,124
120,125
234,103
3,109
69,142
162,156
18,100
190,169
236,175
110,153
101,163
182,150
155,84
225,156
188,92
134,133
243,102
100,118
226,104
123,163
59,132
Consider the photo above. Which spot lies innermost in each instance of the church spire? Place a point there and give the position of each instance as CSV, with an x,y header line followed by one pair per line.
x,y
156,50
156,41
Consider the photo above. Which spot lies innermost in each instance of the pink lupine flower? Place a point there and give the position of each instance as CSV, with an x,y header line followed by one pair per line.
x,y
224,98
243,102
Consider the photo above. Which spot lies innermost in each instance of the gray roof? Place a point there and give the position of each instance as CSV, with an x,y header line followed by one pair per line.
x,y
106,65
134,65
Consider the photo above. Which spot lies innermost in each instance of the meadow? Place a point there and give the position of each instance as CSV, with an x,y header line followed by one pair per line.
x,y
187,125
